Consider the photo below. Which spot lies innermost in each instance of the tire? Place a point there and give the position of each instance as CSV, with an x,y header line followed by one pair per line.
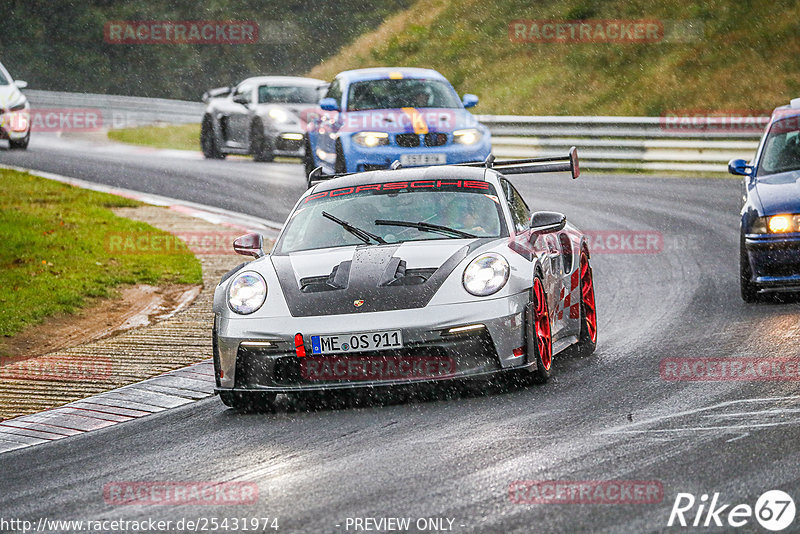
x,y
340,167
539,336
22,144
308,161
260,147
748,289
248,402
208,142
587,339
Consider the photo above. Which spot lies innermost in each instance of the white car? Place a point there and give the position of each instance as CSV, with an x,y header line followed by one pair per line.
x,y
15,111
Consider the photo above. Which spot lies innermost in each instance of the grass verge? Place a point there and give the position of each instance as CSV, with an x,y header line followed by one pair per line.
x,y
175,136
698,65
55,254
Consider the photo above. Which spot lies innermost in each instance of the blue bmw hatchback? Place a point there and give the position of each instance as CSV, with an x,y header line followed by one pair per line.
x,y
373,117
770,226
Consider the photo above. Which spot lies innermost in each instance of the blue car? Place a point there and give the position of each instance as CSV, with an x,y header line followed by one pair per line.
x,y
770,227
372,117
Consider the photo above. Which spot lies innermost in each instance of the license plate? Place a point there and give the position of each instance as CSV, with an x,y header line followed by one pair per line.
x,y
411,160
357,342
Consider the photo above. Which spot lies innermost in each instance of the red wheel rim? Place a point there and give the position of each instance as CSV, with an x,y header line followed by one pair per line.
x,y
542,324
587,297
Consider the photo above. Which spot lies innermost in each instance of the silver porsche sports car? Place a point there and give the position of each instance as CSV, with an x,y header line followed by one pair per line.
x,y
264,117
402,276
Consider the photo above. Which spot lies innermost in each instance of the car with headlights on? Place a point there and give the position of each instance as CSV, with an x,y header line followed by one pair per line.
x,y
264,117
372,117
769,244
403,276
15,111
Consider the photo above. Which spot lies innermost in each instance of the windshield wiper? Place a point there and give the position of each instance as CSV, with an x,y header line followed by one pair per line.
x,y
360,233
425,227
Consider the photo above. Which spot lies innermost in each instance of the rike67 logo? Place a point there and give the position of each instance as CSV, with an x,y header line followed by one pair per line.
x,y
774,510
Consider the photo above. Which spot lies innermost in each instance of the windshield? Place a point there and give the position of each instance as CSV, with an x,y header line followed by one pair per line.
x,y
288,94
461,207
3,79
403,93
782,147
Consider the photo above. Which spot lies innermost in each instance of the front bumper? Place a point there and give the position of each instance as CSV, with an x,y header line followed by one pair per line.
x,y
774,260
427,342
289,143
15,125
359,159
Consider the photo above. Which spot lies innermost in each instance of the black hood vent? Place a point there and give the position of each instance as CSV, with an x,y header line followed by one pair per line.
x,y
374,275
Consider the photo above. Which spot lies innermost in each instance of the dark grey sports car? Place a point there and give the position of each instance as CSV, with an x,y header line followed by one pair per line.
x,y
396,276
263,117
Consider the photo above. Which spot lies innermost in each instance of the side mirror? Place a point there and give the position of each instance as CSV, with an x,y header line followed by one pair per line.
x,y
21,84
469,100
249,245
545,222
329,104
241,99
740,167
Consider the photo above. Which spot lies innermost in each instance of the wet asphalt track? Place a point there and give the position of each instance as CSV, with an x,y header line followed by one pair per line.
x,y
453,455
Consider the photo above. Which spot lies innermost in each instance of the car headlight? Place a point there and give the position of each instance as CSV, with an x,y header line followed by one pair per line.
x,y
776,224
469,136
247,293
19,106
278,115
371,139
486,274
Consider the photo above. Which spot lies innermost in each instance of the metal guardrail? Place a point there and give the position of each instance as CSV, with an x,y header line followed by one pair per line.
x,y
637,143
121,111
686,144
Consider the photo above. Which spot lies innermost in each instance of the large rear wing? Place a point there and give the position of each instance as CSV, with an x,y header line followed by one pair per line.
x,y
509,166
532,165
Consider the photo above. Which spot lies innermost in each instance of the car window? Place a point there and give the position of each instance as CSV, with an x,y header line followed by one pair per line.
x,y
335,91
3,80
402,93
287,94
781,151
474,209
520,213
243,89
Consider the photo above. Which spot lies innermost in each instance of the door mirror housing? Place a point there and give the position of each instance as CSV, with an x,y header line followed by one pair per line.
x,y
740,167
469,100
249,245
21,84
329,104
546,222
241,99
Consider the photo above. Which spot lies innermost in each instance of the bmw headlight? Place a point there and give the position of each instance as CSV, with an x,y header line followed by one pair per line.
x,y
371,139
486,274
468,136
247,293
776,224
279,115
